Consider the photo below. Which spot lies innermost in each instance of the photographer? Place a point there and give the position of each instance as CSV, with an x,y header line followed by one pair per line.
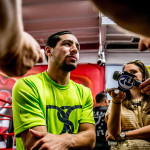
x,y
128,119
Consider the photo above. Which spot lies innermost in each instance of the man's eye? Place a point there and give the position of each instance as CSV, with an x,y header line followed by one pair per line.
x,y
68,44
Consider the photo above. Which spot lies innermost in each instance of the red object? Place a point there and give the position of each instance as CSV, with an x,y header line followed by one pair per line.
x,y
90,75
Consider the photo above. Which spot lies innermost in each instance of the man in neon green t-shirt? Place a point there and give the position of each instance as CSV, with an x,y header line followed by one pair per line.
x,y
50,111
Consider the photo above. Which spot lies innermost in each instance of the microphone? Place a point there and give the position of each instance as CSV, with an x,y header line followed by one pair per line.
x,y
125,80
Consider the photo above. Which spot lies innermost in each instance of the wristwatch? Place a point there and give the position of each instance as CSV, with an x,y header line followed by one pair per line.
x,y
123,135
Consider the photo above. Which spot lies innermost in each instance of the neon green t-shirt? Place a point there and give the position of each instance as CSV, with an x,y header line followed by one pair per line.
x,y
38,100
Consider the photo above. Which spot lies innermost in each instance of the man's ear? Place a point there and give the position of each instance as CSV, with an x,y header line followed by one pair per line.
x,y
48,51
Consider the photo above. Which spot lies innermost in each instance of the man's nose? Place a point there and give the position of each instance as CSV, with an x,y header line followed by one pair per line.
x,y
74,50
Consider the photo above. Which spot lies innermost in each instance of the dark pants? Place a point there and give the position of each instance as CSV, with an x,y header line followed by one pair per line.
x,y
101,146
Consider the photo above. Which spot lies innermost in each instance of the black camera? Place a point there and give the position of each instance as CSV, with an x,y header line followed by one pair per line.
x,y
125,80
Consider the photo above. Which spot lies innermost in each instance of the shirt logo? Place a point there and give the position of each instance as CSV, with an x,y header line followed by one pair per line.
x,y
64,116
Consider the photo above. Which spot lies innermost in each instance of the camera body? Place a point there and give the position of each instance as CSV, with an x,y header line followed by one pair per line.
x,y
125,80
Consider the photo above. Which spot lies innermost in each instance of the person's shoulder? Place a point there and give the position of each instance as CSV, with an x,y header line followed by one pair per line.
x,y
100,108
34,76
80,85
28,79
83,89
85,92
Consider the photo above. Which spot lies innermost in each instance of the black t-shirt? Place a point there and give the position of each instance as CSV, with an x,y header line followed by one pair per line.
x,y
101,126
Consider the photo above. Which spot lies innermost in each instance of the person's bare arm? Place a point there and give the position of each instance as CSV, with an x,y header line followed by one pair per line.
x,y
130,15
19,51
144,44
114,118
28,139
141,133
86,138
39,138
145,87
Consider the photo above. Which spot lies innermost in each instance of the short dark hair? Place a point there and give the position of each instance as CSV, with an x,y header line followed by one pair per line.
x,y
54,39
100,97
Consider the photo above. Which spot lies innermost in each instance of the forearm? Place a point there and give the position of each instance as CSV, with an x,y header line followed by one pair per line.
x,y
38,137
5,15
11,26
126,19
114,120
28,139
141,133
83,140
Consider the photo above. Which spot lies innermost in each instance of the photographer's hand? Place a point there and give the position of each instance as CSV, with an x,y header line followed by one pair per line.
x,y
108,136
145,87
117,97
144,44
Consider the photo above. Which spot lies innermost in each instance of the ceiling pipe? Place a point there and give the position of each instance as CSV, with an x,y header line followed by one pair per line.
x,y
101,55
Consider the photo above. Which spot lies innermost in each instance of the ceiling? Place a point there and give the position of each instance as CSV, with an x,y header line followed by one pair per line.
x,y
44,17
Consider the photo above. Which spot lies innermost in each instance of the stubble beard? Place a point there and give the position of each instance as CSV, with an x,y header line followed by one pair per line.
x,y
67,67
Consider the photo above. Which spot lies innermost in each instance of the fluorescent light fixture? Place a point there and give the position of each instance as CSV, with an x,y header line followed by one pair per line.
x,y
107,21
